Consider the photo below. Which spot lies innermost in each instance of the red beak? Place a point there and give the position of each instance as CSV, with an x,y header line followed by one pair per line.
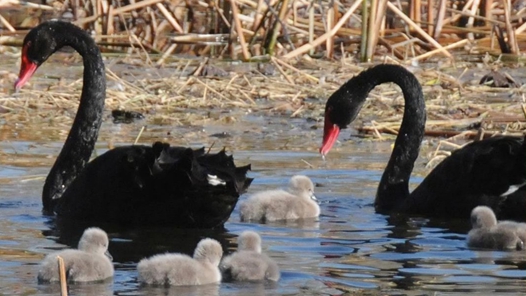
x,y
27,69
330,135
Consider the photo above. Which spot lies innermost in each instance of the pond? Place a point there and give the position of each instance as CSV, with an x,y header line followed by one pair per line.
x,y
349,249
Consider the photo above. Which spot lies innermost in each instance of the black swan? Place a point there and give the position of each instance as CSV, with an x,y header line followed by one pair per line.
x,y
485,172
132,185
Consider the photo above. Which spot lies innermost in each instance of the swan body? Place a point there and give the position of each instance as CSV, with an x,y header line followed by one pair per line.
x,y
132,185
90,262
488,234
490,172
248,263
182,270
272,205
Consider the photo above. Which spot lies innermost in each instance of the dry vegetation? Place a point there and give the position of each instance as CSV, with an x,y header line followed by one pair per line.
x,y
301,51
407,30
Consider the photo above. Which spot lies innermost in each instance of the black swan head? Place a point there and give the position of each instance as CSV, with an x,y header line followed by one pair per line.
x,y
481,173
39,44
344,105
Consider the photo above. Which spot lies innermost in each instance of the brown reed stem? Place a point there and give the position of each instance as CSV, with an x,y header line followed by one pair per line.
x,y
62,276
306,47
277,27
239,31
418,29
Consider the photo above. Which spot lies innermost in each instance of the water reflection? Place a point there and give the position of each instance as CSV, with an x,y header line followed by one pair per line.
x,y
131,245
204,290
103,289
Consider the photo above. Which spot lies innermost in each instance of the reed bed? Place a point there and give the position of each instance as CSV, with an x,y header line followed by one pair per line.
x,y
292,47
409,31
454,106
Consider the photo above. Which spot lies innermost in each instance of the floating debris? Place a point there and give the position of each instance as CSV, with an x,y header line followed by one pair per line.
x,y
122,116
499,79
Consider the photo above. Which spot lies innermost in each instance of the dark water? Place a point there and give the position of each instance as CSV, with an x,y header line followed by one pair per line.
x,y
349,248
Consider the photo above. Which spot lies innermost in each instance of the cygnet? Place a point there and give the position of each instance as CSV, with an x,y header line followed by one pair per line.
x,y
487,233
90,262
182,270
248,263
271,205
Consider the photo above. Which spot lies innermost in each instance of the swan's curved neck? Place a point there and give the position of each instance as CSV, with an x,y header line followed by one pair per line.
x,y
394,185
83,134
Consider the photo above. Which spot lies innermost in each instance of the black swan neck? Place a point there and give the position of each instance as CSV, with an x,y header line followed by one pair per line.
x,y
394,184
84,133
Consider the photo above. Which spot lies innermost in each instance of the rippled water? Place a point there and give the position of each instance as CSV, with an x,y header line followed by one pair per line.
x,y
349,248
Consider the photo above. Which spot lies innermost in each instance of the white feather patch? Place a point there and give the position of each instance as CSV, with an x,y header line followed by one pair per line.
x,y
512,189
214,180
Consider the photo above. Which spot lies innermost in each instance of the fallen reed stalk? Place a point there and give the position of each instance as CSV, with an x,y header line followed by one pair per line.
x,y
62,276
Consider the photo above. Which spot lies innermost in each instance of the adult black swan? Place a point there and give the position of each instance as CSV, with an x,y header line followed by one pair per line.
x,y
132,185
486,172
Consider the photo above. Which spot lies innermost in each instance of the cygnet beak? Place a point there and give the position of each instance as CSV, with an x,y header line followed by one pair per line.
x,y
313,197
107,253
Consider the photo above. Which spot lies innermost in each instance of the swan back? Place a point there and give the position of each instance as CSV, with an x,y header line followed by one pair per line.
x,y
518,228
494,238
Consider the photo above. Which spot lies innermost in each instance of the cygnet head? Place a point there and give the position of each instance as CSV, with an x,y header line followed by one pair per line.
x,y
209,250
301,184
94,240
483,216
249,241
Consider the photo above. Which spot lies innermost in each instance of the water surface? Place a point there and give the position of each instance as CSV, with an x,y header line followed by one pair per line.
x,y
349,248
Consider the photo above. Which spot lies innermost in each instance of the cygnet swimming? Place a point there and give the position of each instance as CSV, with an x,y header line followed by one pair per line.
x,y
487,233
182,270
248,263
271,205
90,262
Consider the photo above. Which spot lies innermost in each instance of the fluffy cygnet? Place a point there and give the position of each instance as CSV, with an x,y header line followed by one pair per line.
x,y
248,263
297,203
90,262
182,270
489,234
